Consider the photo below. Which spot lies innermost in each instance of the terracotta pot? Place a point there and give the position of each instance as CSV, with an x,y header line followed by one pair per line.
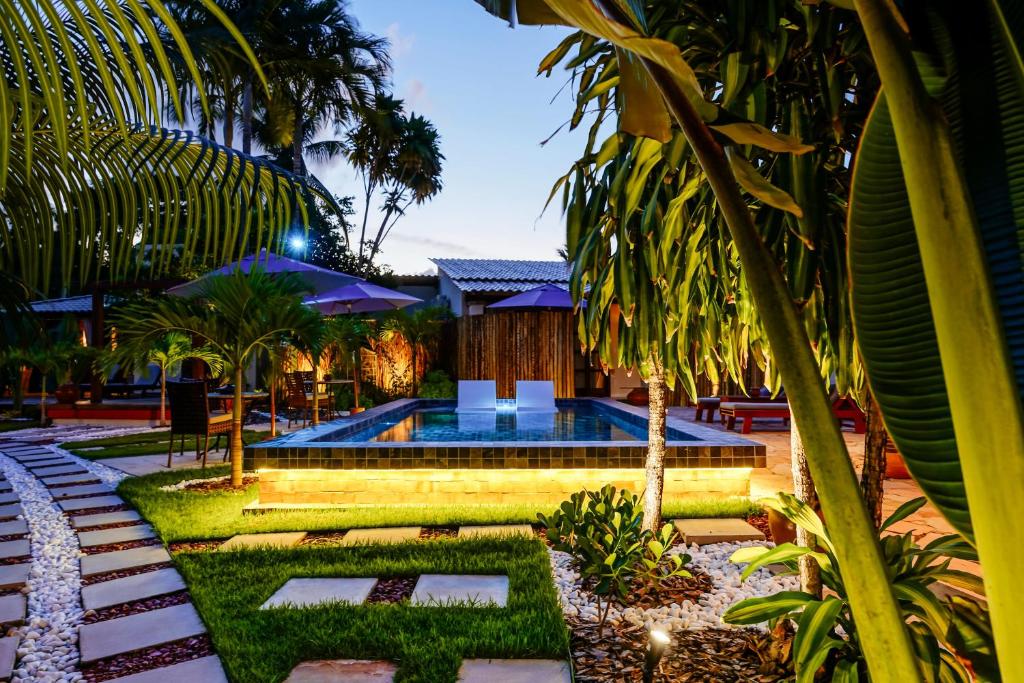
x,y
638,397
895,468
783,530
67,394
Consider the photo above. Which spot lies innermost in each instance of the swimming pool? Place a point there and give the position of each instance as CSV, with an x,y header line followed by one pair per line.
x,y
579,422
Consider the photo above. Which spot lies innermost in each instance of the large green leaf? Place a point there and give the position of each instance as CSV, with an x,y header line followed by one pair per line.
x,y
893,321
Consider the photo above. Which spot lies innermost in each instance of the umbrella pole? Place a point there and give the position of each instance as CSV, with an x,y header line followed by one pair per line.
x,y
355,382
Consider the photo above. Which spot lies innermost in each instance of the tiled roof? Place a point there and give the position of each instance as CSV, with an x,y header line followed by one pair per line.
x,y
71,304
502,275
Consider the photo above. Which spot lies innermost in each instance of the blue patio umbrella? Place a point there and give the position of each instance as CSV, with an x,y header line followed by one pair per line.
x,y
316,278
545,297
360,297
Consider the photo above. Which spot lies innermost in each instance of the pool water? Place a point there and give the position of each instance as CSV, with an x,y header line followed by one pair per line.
x,y
576,423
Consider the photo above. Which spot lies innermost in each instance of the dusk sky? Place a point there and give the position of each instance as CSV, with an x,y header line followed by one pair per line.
x,y
474,78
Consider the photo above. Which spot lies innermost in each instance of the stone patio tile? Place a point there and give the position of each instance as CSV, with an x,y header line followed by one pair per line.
x,y
59,469
396,534
347,670
279,540
514,671
478,590
8,498
8,652
124,534
77,491
12,609
82,478
9,511
202,670
127,634
17,526
123,559
495,530
313,592
102,518
90,503
14,576
130,588
9,549
703,531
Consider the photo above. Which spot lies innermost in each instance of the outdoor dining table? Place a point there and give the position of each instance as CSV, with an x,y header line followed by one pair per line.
x,y
248,399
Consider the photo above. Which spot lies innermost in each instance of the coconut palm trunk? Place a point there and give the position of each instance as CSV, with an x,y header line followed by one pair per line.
x,y
42,399
247,115
163,396
273,401
872,474
803,488
236,427
655,468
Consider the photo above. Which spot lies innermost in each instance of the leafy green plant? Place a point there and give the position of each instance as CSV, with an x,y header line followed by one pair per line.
x,y
827,635
603,530
437,384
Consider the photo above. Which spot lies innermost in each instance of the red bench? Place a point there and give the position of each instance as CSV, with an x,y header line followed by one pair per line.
x,y
712,403
843,409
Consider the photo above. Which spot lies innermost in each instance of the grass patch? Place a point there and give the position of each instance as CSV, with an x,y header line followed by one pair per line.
x,y
15,425
143,443
428,643
191,516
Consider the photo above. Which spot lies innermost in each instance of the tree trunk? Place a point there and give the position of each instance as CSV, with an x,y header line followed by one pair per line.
x,y
872,475
229,124
247,115
42,400
414,382
655,470
273,402
163,396
236,428
803,488
316,394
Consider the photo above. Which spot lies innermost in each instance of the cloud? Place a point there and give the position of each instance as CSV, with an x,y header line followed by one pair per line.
x,y
444,247
416,96
401,44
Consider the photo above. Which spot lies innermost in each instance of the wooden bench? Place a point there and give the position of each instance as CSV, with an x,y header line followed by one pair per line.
x,y
712,403
843,409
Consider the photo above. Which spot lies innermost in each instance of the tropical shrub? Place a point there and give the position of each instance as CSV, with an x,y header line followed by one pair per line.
x,y
603,531
952,639
437,384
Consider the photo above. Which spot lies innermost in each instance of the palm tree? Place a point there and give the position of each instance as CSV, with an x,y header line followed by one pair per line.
x,y
47,359
348,334
418,328
238,316
93,189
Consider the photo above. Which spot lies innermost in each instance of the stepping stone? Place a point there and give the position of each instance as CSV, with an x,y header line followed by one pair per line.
x,y
102,563
5,487
30,456
43,464
18,526
709,530
14,576
83,478
477,590
313,592
59,469
9,549
395,534
124,534
77,491
347,670
279,540
8,653
202,670
8,498
9,512
500,530
104,518
131,588
12,609
514,671
138,631
90,503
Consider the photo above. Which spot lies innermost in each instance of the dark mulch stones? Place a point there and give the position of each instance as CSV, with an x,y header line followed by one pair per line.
x,y
222,485
676,590
105,527
13,537
392,589
128,545
322,539
194,546
73,483
137,607
121,573
434,532
151,658
706,655
760,522
15,560
97,511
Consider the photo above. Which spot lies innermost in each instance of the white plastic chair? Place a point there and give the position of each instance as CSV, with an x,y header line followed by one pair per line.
x,y
477,394
535,396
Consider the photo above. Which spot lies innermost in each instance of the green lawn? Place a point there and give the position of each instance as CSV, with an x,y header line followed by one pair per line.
x,y
428,643
15,425
193,516
143,443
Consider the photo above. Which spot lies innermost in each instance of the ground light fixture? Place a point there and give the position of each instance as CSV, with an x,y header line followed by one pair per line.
x,y
657,642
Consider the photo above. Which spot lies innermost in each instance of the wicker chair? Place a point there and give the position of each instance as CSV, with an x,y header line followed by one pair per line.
x,y
300,401
190,414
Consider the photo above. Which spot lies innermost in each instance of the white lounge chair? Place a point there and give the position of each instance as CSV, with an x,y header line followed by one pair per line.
x,y
536,397
477,394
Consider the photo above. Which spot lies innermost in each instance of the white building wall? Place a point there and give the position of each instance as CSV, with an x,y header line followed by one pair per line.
x,y
448,290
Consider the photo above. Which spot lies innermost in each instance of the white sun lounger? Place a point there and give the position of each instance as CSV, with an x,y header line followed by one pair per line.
x,y
536,397
477,394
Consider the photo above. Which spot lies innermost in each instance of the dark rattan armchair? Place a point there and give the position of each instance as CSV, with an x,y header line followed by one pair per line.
x,y
191,415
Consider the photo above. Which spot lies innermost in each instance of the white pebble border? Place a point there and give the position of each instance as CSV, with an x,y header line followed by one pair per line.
x,y
706,613
48,649
182,485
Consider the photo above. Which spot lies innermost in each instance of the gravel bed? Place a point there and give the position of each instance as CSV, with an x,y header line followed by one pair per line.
x,y
12,537
194,546
22,559
211,485
48,650
121,573
96,511
433,532
151,658
73,483
392,589
137,607
322,539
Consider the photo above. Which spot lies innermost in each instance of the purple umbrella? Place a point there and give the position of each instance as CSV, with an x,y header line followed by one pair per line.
x,y
316,278
545,296
360,297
